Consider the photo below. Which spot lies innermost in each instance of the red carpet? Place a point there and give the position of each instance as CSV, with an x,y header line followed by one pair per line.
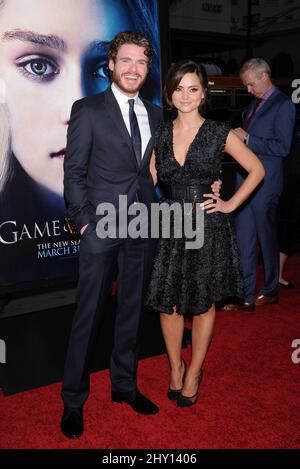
x,y
250,394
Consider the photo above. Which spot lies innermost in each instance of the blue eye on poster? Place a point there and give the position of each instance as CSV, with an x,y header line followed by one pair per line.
x,y
52,53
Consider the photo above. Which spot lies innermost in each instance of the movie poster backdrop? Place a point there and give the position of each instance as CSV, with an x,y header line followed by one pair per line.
x,y
52,53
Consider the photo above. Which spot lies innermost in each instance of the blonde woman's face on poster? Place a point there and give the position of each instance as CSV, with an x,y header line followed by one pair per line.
x,y
52,52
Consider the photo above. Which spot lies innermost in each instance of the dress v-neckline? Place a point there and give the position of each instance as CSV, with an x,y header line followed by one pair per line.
x,y
188,150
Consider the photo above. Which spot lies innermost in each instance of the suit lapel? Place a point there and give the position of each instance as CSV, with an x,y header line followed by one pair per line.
x,y
115,114
149,146
265,107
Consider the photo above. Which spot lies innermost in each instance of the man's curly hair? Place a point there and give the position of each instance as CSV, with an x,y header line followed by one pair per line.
x,y
130,37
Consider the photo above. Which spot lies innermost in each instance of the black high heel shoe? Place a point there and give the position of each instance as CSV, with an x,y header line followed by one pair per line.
x,y
173,394
188,401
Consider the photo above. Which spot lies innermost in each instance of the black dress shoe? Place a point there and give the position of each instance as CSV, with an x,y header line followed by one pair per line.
x,y
247,307
286,285
136,400
72,423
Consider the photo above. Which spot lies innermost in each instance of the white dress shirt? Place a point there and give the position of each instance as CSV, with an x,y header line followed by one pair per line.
x,y
140,111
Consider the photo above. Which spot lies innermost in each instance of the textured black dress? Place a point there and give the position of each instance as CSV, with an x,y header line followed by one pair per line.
x,y
194,279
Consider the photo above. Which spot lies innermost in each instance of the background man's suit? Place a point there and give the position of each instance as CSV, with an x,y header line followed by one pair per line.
x,y
100,164
270,134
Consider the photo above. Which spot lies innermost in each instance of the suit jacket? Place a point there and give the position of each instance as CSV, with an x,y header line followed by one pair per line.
x,y
271,131
100,162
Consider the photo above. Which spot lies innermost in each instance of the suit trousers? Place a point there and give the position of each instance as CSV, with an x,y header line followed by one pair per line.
x,y
133,257
257,220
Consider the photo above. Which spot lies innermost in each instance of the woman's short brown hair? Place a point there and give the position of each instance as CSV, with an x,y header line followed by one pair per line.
x,y
130,37
177,72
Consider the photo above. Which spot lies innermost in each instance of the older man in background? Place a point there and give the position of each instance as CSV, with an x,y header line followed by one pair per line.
x,y
267,130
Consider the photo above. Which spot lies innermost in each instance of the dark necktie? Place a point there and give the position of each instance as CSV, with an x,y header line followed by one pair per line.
x,y
251,113
135,132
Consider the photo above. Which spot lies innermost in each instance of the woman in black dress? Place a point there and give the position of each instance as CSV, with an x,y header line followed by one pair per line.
x,y
187,158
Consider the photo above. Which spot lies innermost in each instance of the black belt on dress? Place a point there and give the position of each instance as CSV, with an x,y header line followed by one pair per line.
x,y
186,193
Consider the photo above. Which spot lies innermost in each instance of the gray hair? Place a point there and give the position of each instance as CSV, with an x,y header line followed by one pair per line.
x,y
256,65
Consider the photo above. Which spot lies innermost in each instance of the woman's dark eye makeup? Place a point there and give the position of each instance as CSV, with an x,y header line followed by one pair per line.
x,y
38,67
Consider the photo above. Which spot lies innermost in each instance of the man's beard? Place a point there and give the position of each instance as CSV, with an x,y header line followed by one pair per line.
x,y
127,88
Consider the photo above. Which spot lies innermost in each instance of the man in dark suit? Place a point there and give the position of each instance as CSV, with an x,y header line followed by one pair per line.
x,y
267,131
110,140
